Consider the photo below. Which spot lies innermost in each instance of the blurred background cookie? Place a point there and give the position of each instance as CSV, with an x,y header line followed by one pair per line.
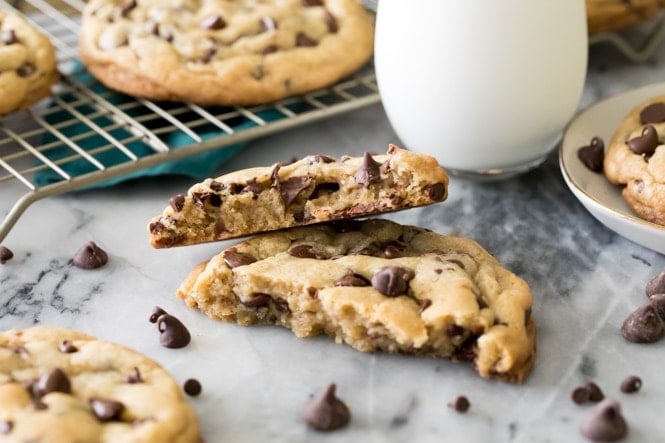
x,y
614,15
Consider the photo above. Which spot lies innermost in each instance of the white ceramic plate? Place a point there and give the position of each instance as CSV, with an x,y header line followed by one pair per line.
x,y
598,195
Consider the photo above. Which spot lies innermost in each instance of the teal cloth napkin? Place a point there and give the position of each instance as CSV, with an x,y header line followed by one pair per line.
x,y
197,166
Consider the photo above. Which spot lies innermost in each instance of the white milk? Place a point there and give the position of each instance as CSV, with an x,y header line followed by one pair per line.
x,y
486,86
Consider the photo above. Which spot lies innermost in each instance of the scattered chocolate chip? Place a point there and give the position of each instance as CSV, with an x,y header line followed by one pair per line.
x,y
8,37
631,384
6,426
654,113
135,376
304,41
657,301
172,333
213,22
268,23
53,381
233,258
177,202
307,251
327,412
106,410
156,227
90,256
258,300
192,387
67,347
289,189
656,285
216,186
643,325
595,393
26,70
331,22
155,314
461,404
424,304
352,279
604,422
6,254
645,143
368,172
592,155
580,395
392,280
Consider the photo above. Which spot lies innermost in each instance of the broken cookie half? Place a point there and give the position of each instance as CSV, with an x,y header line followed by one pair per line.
x,y
314,189
376,285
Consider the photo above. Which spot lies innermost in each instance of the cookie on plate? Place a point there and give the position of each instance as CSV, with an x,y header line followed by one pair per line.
x,y
635,159
224,52
27,64
375,285
59,385
314,189
614,15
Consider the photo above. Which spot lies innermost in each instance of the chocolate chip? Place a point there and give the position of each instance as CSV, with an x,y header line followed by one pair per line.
x,y
289,189
172,333
392,280
304,41
631,384
155,314
258,300
424,304
327,412
177,202
216,186
308,3
605,422
368,172
646,143
461,404
352,279
453,330
26,70
307,251
233,259
53,381
156,227
436,192
106,410
252,186
213,22
592,155
67,347
643,325
657,301
319,158
580,395
656,285
331,22
281,305
268,23
90,256
192,387
393,249
8,37
6,426
654,113
134,377
595,393
6,254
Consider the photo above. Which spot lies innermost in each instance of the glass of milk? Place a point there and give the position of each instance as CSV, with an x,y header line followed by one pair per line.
x,y
485,86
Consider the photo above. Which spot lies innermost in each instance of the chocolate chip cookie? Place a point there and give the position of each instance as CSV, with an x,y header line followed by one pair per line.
x,y
59,385
375,285
224,52
27,64
636,159
614,15
314,189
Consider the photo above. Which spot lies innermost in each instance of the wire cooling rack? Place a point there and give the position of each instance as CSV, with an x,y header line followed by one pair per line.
x,y
65,143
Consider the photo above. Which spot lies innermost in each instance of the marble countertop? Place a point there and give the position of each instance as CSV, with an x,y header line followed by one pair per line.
x,y
585,280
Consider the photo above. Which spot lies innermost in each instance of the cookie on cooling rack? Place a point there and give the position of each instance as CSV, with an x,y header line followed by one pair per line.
x,y
614,15
311,190
27,64
376,285
224,53
636,159
60,385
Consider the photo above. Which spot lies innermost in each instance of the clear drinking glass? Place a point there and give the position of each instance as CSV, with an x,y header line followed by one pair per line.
x,y
485,86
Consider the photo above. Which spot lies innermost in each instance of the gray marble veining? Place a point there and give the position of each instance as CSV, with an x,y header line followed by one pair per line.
x,y
584,277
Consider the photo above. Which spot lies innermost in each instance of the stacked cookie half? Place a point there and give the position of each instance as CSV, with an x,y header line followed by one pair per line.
x,y
316,264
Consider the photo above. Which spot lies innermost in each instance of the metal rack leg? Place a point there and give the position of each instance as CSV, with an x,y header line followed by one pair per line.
x,y
17,210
